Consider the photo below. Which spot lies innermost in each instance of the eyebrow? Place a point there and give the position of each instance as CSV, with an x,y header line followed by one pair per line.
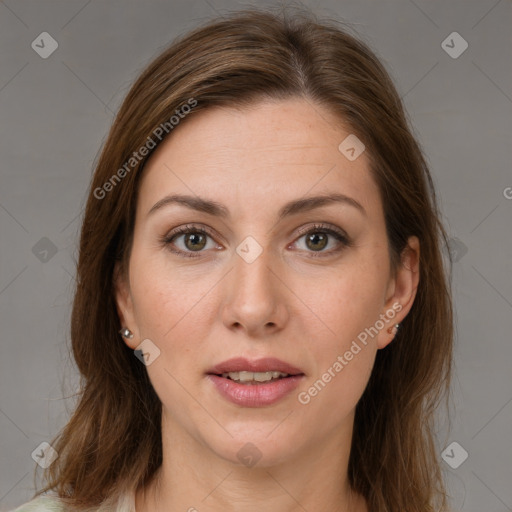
x,y
291,208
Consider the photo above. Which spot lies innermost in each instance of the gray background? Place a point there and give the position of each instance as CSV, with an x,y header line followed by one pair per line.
x,y
56,112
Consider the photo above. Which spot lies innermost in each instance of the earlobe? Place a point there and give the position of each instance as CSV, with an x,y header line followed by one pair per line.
x,y
404,286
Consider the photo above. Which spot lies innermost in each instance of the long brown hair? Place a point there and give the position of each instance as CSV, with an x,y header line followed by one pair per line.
x,y
112,442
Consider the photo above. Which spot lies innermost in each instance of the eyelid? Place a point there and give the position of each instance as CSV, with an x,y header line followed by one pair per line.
x,y
324,227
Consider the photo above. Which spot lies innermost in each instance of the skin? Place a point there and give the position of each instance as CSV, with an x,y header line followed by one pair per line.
x,y
288,304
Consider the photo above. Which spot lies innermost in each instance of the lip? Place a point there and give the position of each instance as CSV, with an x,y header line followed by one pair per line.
x,y
255,395
266,364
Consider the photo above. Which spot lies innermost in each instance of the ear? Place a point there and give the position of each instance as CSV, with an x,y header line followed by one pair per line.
x,y
124,305
401,291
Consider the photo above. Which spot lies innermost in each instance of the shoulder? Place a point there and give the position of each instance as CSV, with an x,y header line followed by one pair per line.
x,y
48,503
42,504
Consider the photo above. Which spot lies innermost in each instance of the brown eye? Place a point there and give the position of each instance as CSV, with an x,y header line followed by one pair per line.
x,y
318,237
316,241
187,240
195,241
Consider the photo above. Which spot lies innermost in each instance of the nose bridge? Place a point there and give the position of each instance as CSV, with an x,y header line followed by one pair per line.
x,y
253,300
253,280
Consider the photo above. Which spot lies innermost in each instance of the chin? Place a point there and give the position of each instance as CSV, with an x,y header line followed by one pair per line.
x,y
255,447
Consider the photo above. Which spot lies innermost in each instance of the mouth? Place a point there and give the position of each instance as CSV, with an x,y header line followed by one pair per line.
x,y
247,371
255,383
254,378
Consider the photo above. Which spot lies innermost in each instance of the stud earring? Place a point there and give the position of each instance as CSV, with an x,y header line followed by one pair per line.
x,y
393,329
126,333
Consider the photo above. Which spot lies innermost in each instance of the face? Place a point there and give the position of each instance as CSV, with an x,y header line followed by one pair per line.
x,y
258,275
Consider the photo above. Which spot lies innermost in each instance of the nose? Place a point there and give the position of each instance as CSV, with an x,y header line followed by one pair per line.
x,y
254,297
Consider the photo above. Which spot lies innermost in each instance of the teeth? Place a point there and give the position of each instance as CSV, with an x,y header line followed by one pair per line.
x,y
254,376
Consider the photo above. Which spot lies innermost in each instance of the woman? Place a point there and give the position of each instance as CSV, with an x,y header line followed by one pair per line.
x,y
262,318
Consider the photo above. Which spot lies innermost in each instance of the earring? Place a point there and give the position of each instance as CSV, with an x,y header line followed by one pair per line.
x,y
394,328
126,333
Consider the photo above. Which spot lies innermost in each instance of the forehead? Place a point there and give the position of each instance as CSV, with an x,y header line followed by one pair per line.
x,y
261,153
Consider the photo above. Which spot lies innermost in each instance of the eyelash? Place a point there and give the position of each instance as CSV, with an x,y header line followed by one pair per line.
x,y
340,236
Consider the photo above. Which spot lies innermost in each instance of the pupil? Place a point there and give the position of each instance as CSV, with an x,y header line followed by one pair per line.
x,y
315,238
194,238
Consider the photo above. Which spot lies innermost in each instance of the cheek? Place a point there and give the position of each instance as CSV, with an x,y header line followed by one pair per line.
x,y
343,360
168,303
348,300
167,309
158,299
344,355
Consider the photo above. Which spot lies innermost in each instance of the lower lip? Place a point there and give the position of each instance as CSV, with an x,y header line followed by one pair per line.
x,y
255,395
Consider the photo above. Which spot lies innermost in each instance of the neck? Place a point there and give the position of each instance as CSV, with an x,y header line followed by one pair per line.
x,y
194,478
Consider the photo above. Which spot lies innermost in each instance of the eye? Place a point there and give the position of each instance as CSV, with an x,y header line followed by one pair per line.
x,y
317,238
194,240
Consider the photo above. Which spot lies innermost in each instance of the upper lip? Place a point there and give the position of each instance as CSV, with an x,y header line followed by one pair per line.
x,y
266,364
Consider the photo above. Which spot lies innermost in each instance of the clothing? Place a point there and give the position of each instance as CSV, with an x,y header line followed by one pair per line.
x,y
42,504
48,503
